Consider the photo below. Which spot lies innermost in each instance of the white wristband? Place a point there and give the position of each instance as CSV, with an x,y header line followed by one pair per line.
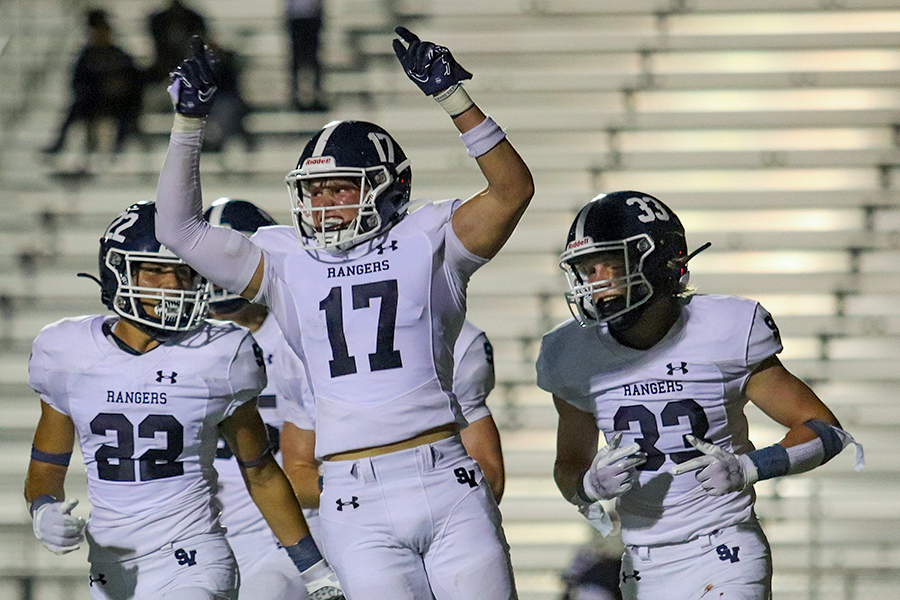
x,y
455,100
483,137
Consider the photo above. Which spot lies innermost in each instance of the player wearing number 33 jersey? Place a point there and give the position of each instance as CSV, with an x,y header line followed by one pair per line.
x,y
665,375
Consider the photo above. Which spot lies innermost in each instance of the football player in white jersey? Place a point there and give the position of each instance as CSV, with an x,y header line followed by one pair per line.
x,y
148,392
665,376
372,299
473,380
266,570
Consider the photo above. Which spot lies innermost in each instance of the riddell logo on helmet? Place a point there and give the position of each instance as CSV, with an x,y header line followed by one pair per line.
x,y
579,243
319,163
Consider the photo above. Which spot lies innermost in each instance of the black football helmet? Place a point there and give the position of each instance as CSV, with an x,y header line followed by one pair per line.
x,y
649,237
129,241
352,150
242,216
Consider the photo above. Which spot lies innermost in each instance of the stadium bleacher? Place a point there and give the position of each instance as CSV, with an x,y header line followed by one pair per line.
x,y
772,127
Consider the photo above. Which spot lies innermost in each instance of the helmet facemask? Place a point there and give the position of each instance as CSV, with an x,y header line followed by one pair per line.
x,y
331,233
618,296
172,310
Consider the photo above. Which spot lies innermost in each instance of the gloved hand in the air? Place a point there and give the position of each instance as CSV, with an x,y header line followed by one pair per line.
x,y
613,470
54,525
321,583
431,67
721,472
193,81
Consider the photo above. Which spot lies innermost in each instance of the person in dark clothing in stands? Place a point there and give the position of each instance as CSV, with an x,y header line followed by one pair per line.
x,y
171,30
105,83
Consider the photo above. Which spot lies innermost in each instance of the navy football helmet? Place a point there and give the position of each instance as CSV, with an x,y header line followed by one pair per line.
x,y
242,216
350,150
640,230
130,241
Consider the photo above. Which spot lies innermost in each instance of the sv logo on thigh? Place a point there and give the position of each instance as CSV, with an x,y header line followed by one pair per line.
x,y
726,553
186,557
463,476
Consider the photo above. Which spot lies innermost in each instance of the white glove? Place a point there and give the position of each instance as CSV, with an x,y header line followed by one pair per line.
x,y
58,530
613,470
321,582
721,471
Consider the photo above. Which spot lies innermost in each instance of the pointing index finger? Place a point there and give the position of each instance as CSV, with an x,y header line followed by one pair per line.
x,y
407,35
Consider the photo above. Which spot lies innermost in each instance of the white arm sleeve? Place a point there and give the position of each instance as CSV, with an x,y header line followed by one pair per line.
x,y
222,255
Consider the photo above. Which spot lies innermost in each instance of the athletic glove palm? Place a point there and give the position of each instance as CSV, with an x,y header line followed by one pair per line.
x,y
613,470
57,529
193,81
721,472
321,583
431,67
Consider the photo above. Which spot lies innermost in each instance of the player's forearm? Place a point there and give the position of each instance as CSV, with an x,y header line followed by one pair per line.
x,y
272,493
568,478
305,481
44,479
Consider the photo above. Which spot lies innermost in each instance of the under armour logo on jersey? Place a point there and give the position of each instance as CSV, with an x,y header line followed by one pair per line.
x,y
101,579
186,558
464,476
726,553
160,377
270,358
353,502
627,576
682,369
381,249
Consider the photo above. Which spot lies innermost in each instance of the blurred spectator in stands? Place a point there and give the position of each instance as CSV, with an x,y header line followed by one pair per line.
x,y
227,115
171,30
105,83
304,23
594,572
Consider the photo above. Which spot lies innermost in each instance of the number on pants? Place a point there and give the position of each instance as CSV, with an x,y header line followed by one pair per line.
x,y
155,463
385,356
669,417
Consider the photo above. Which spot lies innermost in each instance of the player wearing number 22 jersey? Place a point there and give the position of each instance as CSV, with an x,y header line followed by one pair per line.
x,y
147,393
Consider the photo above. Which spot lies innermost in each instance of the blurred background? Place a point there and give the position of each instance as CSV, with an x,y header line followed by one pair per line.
x,y
772,127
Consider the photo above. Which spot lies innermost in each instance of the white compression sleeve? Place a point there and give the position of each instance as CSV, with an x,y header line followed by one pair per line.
x,y
222,255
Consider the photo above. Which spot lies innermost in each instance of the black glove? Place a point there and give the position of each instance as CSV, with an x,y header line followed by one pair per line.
x,y
431,67
193,81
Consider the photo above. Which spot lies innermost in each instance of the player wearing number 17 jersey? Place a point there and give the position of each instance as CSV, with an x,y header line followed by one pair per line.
x,y
372,298
147,392
665,376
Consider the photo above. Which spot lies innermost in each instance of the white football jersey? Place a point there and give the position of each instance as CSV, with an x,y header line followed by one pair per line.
x,y
147,425
473,380
473,372
239,513
375,325
691,382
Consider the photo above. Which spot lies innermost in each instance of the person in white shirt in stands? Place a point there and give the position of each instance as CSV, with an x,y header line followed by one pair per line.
x,y
473,380
148,392
665,375
372,299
